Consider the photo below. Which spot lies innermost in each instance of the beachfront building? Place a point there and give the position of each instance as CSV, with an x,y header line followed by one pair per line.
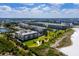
x,y
60,26
23,35
37,28
23,25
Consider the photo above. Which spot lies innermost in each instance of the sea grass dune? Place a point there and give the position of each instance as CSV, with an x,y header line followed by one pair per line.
x,y
73,49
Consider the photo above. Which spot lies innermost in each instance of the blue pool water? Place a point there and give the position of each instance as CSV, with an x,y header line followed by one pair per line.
x,y
3,30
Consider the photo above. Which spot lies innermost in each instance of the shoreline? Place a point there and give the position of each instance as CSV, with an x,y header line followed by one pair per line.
x,y
65,38
66,41
73,49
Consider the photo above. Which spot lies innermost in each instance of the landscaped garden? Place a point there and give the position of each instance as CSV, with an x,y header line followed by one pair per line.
x,y
51,36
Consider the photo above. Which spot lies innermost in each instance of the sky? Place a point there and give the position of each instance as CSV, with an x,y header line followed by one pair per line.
x,y
39,10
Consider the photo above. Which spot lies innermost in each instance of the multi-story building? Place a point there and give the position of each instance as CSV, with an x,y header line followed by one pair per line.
x,y
23,35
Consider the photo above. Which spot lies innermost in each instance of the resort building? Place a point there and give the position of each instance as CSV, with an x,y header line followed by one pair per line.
x,y
58,26
23,25
23,35
39,29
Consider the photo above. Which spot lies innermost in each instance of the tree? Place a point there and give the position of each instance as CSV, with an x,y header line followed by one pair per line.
x,y
25,47
45,32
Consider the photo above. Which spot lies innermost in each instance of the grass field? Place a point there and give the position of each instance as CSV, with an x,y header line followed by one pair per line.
x,y
32,43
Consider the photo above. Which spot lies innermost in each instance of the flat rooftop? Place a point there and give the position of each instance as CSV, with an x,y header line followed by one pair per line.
x,y
62,24
26,32
34,26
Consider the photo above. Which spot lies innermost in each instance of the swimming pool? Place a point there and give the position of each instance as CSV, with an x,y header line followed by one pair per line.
x,y
3,30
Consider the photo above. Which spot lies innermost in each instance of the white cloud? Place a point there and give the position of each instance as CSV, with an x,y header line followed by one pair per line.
x,y
36,11
41,11
42,5
56,5
5,8
46,9
28,4
71,12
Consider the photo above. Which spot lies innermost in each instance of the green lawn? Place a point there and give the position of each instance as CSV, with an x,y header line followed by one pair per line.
x,y
1,35
32,43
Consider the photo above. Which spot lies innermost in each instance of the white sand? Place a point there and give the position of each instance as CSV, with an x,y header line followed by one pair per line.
x,y
72,50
